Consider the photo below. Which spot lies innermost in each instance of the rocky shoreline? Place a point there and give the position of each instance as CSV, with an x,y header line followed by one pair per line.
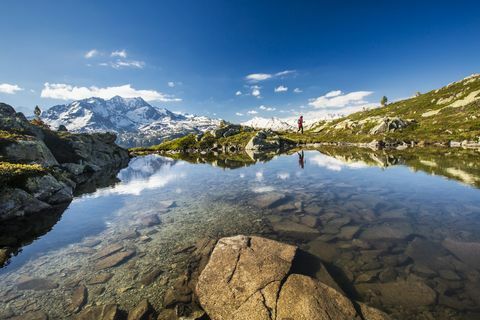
x,y
41,169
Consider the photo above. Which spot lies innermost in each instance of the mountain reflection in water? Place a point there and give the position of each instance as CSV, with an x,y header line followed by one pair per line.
x,y
399,230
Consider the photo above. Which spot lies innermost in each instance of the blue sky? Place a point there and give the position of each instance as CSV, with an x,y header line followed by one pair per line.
x,y
194,56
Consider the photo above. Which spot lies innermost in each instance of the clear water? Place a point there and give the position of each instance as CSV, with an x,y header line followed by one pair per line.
x,y
388,227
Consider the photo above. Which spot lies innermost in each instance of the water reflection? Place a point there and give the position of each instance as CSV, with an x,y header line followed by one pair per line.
x,y
301,159
387,228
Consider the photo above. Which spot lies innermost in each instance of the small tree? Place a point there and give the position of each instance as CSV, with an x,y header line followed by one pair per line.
x,y
37,112
417,94
384,101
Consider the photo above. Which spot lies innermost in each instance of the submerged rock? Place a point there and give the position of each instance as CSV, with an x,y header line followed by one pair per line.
x,y
269,200
407,293
100,278
79,298
108,250
37,284
295,230
114,260
150,277
106,312
150,220
143,311
468,252
400,230
32,315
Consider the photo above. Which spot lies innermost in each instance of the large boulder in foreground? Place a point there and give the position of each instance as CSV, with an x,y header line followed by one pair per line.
x,y
250,278
243,277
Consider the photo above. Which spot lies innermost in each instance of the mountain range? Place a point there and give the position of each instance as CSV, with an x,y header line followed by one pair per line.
x,y
273,123
135,121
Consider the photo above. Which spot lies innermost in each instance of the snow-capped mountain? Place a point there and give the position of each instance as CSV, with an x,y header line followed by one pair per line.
x,y
272,123
135,121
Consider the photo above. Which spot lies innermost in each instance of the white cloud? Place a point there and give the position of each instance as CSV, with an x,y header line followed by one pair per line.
x,y
336,99
9,88
284,73
68,92
238,114
281,88
119,64
335,164
171,84
252,112
283,175
92,53
238,93
297,90
255,77
334,93
256,91
262,107
119,53
259,175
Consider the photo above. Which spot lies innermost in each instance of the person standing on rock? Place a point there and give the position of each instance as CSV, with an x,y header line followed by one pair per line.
x,y
300,124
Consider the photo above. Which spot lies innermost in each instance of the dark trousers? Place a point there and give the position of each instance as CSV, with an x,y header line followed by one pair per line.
x,y
300,128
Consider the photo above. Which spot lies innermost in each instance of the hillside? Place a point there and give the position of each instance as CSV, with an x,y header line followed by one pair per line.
x,y
451,113
447,116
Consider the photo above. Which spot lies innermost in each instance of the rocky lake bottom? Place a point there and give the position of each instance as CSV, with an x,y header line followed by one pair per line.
x,y
398,231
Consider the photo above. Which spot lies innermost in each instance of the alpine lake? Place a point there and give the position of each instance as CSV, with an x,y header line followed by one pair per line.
x,y
399,229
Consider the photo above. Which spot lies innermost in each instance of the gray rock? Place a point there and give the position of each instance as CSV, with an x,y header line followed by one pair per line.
x,y
390,125
29,151
48,189
17,203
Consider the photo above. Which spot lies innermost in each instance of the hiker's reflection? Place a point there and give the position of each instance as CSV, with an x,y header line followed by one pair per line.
x,y
301,159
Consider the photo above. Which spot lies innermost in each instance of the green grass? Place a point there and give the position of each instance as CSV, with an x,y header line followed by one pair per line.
x,y
189,142
462,123
14,174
